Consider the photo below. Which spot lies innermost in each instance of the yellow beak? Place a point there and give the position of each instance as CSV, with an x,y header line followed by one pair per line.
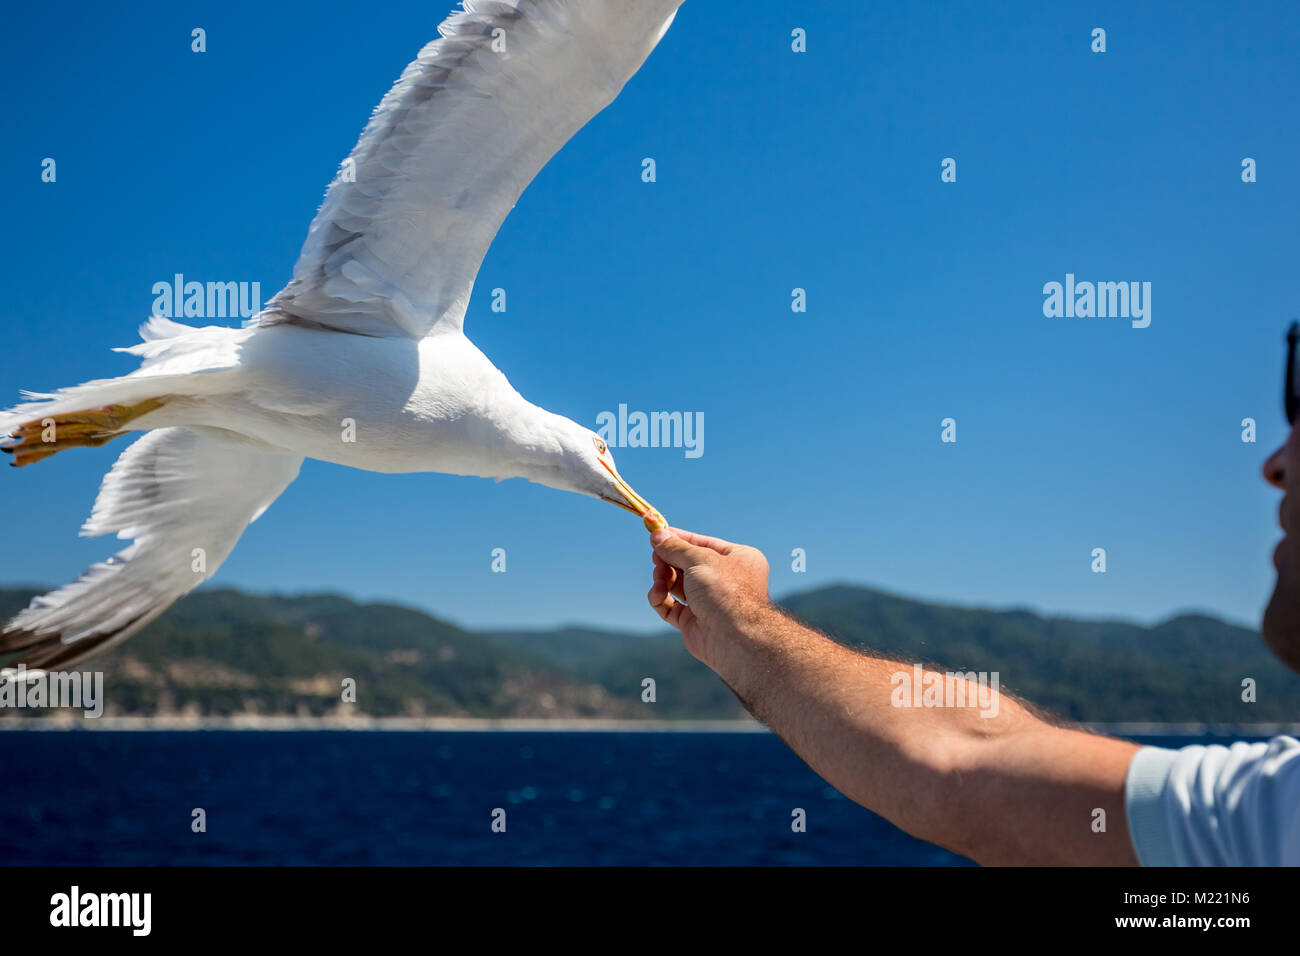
x,y
634,503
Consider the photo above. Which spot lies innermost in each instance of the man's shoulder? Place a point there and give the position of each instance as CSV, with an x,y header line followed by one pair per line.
x,y
1216,805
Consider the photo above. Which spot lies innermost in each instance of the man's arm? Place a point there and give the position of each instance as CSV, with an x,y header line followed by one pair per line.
x,y
1002,789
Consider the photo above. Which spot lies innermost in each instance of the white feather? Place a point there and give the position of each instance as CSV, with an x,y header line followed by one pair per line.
x,y
450,149
183,498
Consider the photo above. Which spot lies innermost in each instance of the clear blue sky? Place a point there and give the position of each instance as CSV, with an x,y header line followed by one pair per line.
x,y
775,170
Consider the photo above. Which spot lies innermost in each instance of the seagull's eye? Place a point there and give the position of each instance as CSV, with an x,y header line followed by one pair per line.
x,y
600,446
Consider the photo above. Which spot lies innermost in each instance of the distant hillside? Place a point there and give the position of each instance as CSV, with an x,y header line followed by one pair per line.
x,y
1188,668
222,652
619,662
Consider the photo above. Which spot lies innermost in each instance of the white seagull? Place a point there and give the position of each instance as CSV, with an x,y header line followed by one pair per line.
x,y
369,328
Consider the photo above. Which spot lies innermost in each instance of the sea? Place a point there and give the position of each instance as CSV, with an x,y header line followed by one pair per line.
x,y
399,798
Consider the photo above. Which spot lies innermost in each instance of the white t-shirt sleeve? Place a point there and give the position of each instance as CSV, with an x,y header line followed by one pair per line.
x,y
1216,806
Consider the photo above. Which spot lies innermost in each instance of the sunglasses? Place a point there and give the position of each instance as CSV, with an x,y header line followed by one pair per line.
x,y
1291,401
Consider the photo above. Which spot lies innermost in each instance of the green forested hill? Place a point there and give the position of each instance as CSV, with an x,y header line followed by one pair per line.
x,y
221,652
1189,668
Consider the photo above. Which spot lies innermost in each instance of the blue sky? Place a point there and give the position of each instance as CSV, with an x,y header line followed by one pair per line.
x,y
775,170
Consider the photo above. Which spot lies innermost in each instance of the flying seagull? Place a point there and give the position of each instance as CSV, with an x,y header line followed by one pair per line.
x,y
368,329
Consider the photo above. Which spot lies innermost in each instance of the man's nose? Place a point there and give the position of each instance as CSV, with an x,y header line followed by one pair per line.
x,y
1274,468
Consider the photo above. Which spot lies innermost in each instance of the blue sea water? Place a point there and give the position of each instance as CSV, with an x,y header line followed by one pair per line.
x,y
427,798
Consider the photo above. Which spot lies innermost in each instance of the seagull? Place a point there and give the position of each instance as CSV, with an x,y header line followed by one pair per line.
x,y
369,329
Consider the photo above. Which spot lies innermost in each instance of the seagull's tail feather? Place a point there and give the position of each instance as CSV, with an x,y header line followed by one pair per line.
x,y
95,412
184,497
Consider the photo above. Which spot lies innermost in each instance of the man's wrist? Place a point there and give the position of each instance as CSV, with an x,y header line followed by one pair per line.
x,y
748,630
753,621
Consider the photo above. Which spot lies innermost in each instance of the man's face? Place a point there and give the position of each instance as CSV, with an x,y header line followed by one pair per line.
x,y
1281,626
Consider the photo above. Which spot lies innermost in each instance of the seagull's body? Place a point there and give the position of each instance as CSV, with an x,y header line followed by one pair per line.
x,y
386,404
362,359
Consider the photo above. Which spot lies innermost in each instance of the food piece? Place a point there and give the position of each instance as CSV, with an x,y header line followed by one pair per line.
x,y
654,521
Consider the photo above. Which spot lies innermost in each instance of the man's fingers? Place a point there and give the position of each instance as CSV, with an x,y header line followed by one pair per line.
x,y
668,580
674,612
664,574
674,551
667,595
660,597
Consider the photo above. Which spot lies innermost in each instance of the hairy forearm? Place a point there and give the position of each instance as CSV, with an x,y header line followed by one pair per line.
x,y
985,777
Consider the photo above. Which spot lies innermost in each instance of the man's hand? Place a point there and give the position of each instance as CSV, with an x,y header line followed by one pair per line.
x,y
723,585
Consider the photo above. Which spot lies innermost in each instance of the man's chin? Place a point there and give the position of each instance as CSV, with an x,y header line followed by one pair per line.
x,y
1281,625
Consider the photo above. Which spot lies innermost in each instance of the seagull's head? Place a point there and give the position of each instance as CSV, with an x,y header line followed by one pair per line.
x,y
588,468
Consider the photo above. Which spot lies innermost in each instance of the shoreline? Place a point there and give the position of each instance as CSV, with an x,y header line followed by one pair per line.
x,y
389,724
552,725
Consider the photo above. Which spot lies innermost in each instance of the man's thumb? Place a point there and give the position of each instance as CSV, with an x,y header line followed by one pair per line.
x,y
676,551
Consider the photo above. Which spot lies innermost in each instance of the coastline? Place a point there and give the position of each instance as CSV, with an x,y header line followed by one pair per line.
x,y
257,722
390,724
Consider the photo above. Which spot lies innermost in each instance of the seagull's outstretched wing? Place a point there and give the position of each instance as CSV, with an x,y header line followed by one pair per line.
x,y
406,223
185,497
